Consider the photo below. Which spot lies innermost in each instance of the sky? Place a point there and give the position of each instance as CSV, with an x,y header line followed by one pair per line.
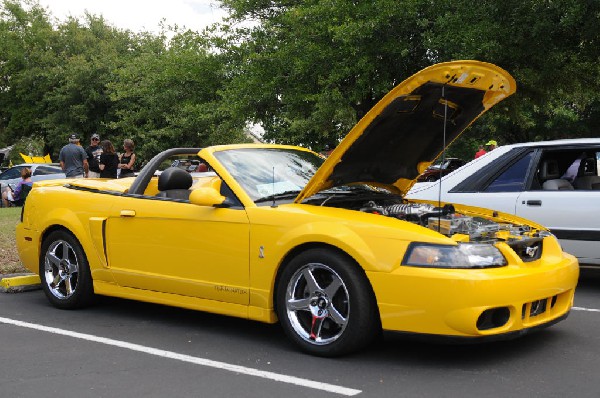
x,y
141,15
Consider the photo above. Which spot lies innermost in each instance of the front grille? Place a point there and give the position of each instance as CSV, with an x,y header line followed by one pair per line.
x,y
527,249
538,307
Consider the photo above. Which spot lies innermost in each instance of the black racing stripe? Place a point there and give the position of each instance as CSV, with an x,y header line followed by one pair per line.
x,y
104,239
569,234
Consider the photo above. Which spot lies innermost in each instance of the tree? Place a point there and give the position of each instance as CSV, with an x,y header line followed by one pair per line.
x,y
308,70
25,52
550,47
171,97
30,146
78,100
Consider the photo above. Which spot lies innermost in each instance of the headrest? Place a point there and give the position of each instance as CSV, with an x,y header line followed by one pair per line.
x,y
174,178
549,170
588,167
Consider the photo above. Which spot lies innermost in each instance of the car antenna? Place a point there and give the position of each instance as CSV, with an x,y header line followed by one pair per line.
x,y
273,189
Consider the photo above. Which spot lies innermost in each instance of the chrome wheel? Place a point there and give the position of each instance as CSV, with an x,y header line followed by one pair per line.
x,y
325,303
61,269
317,304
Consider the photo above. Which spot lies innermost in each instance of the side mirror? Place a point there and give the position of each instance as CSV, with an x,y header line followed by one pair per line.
x,y
207,196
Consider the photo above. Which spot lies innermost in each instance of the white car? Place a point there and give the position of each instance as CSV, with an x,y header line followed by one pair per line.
x,y
39,171
555,183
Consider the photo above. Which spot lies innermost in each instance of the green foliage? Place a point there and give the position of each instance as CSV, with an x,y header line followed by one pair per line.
x,y
30,146
550,47
88,77
309,69
172,97
24,41
306,71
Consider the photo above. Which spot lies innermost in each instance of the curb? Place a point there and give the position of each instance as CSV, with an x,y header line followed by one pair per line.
x,y
19,283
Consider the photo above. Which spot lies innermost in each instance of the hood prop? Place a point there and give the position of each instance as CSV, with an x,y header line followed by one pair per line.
x,y
443,152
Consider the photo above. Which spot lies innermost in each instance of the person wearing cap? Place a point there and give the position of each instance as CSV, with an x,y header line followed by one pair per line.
x,y
73,159
491,144
94,151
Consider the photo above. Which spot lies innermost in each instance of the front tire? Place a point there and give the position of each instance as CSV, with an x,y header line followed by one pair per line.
x,y
64,271
325,304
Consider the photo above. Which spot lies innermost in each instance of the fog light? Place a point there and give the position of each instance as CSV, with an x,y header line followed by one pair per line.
x,y
493,318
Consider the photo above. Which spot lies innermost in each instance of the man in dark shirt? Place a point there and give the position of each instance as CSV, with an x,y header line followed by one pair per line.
x,y
93,152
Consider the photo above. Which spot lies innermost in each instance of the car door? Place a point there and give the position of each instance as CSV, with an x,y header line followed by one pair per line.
x,y
179,248
570,215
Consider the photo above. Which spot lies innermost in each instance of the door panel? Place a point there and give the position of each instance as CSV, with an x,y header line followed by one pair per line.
x,y
179,248
570,215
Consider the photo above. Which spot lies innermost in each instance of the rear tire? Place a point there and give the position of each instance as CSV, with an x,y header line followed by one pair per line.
x,y
325,304
64,271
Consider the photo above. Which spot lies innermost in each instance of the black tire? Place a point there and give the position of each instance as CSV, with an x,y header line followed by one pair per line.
x,y
432,178
64,271
334,313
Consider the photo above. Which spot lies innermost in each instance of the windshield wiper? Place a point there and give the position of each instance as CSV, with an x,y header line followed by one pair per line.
x,y
277,196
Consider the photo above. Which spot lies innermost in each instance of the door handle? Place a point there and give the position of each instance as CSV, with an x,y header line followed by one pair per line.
x,y
533,202
127,213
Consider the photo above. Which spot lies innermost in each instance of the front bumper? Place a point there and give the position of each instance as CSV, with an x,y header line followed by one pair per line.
x,y
473,303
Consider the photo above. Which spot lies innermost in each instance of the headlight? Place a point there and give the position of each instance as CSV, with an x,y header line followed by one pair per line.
x,y
463,255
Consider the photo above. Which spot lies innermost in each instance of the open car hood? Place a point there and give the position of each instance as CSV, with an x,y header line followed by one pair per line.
x,y
410,127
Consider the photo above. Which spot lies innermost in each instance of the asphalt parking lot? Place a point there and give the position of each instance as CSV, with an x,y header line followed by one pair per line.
x,y
124,348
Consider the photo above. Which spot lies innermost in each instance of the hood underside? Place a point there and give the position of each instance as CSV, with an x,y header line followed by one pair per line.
x,y
410,127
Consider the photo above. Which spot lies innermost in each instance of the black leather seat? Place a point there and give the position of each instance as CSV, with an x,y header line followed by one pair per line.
x,y
174,183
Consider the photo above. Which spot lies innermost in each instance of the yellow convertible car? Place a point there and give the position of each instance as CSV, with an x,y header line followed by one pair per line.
x,y
327,247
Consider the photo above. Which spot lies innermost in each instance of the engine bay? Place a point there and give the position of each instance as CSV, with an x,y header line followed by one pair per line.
x,y
449,222
446,220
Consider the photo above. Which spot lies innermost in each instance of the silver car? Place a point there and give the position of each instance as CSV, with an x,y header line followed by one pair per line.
x,y
554,183
39,171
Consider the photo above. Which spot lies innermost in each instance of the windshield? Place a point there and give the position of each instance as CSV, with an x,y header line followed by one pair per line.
x,y
264,172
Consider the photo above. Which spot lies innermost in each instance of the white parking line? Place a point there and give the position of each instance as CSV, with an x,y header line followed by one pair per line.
x,y
187,358
585,309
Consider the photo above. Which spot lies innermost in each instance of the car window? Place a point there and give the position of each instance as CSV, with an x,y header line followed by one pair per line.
x,y
270,171
45,170
576,165
11,173
513,178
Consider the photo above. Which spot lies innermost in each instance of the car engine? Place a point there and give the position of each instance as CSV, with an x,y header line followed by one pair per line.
x,y
445,220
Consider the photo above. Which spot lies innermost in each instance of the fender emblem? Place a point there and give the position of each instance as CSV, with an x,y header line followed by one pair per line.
x,y
531,251
261,252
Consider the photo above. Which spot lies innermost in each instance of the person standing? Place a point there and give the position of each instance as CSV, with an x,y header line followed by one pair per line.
x,y
491,144
94,151
127,160
73,159
109,161
480,152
